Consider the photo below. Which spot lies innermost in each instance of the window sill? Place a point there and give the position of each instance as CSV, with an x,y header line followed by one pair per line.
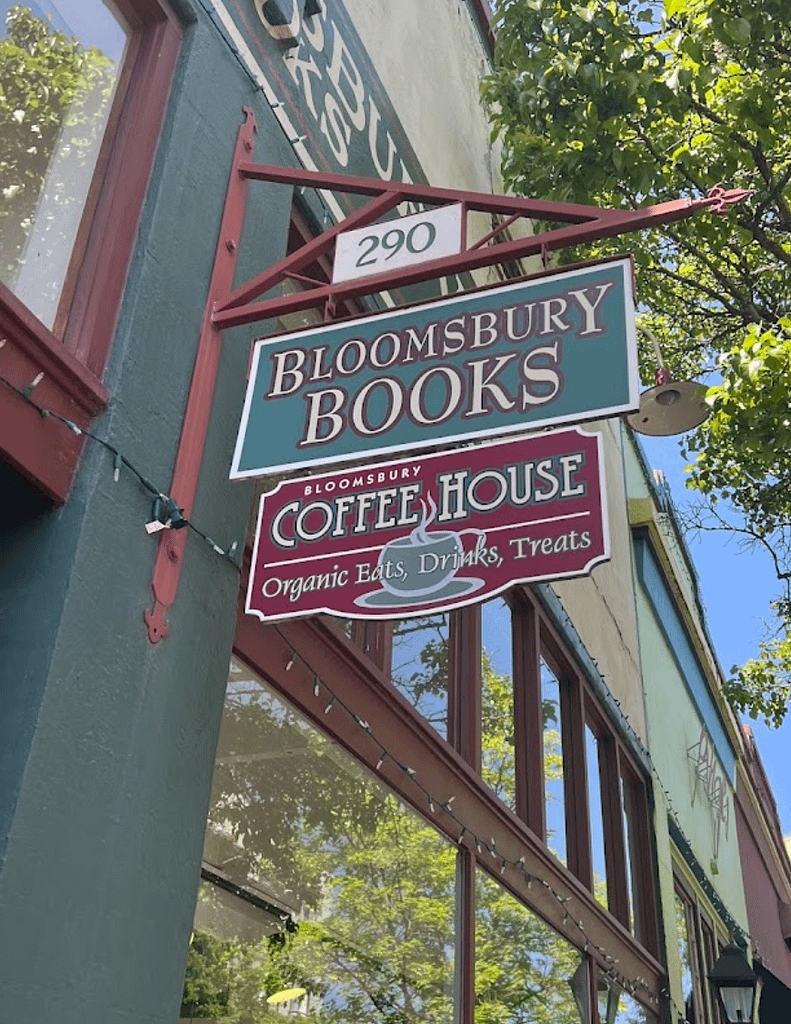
x,y
41,448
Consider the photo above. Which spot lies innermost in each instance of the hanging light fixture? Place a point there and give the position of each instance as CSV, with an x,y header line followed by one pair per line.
x,y
671,406
736,986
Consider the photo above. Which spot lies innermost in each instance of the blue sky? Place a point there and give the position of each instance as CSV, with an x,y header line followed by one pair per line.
x,y
736,586
90,22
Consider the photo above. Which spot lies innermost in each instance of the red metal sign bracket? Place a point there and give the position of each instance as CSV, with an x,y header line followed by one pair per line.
x,y
228,307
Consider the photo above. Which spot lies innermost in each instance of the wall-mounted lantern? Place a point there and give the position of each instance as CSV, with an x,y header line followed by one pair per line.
x,y
736,986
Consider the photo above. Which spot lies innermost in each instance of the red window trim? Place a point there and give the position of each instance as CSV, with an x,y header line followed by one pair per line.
x,y
42,449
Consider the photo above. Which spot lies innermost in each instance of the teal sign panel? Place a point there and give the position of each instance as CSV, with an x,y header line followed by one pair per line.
x,y
559,348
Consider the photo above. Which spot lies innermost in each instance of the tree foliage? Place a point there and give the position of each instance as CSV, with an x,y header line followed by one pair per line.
x,y
53,98
744,459
627,104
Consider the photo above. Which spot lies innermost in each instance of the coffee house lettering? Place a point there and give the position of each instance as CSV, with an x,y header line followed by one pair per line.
x,y
459,495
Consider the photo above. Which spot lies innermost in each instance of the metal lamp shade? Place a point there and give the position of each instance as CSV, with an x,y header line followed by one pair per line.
x,y
736,986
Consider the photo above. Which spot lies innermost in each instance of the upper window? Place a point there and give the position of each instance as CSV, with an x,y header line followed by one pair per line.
x,y
498,684
698,948
83,90
60,65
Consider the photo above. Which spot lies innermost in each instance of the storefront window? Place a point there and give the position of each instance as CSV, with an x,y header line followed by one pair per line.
x,y
616,1007
553,762
420,666
525,971
631,808
323,893
597,826
698,947
59,64
687,952
497,727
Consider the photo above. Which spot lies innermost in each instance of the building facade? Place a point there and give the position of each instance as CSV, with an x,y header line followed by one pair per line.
x,y
455,816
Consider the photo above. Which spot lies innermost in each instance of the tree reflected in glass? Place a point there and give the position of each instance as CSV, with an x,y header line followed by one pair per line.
x,y
354,893
524,969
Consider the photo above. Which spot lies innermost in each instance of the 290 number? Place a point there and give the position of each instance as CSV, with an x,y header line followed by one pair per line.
x,y
418,239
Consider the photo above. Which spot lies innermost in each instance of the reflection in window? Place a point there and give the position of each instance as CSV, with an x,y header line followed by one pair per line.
x,y
329,896
596,812
616,1007
59,65
524,970
685,932
630,797
553,762
497,752
420,666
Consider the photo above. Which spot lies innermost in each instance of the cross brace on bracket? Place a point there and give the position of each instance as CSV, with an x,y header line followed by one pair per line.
x,y
227,306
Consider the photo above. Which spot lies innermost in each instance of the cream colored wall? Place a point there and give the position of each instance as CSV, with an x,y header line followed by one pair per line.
x,y
431,60
602,606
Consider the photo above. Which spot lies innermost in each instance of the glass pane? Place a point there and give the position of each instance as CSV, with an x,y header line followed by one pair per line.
x,y
328,896
686,956
524,970
596,814
631,792
59,65
738,1003
420,666
498,700
553,763
616,1007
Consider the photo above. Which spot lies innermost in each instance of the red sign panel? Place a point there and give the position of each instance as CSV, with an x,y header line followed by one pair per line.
x,y
430,533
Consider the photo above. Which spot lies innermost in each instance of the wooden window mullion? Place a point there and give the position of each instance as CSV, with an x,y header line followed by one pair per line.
x,y
528,718
614,840
575,779
465,937
464,684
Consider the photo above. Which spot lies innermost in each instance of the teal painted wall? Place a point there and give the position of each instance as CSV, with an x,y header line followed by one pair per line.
x,y
113,739
107,773
33,580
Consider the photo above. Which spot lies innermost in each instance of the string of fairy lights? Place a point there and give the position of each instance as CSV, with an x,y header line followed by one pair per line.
x,y
487,846
167,514
165,511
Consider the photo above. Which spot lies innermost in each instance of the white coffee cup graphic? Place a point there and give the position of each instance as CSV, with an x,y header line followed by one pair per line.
x,y
428,560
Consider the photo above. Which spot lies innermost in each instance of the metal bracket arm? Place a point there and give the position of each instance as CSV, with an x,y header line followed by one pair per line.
x,y
226,306
585,224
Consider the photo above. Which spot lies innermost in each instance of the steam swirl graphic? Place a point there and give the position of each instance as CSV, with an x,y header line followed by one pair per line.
x,y
419,535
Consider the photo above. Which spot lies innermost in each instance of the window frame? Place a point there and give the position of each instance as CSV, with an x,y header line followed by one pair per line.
x,y
292,655
705,944
72,357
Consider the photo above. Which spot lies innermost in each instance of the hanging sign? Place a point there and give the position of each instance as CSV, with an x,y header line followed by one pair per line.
x,y
555,349
398,243
396,539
